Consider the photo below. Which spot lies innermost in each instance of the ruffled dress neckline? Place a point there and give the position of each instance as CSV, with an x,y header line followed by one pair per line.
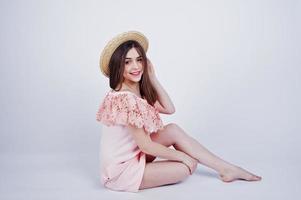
x,y
126,91
125,107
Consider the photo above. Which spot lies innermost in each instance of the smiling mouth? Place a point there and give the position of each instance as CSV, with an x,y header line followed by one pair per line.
x,y
135,73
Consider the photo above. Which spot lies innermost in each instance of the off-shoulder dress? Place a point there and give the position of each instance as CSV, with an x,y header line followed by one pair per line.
x,y
122,163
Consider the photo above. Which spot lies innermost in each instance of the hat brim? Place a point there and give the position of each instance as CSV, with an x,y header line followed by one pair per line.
x,y
114,43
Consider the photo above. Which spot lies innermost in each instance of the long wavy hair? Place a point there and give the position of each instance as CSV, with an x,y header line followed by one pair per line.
x,y
116,70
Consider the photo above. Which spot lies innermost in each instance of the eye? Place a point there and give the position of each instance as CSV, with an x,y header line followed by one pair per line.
x,y
127,62
139,59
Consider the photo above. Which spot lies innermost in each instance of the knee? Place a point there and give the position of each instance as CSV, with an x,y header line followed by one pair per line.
x,y
172,126
185,171
175,130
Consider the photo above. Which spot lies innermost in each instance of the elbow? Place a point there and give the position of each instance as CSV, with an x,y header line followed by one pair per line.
x,y
146,148
171,111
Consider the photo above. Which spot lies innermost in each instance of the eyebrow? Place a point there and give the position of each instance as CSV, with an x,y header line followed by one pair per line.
x,y
137,57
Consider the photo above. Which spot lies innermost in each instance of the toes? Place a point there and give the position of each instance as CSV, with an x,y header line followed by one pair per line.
x,y
255,178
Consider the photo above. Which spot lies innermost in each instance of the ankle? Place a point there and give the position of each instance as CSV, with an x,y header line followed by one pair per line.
x,y
226,169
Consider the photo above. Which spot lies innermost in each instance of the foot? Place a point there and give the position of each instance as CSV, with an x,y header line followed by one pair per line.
x,y
237,173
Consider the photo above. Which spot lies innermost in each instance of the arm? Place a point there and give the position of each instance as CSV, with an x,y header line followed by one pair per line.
x,y
164,105
147,146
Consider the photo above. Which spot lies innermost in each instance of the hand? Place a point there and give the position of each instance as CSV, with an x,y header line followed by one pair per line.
x,y
151,70
190,162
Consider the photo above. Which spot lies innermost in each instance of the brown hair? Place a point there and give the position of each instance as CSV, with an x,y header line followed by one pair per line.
x,y
116,70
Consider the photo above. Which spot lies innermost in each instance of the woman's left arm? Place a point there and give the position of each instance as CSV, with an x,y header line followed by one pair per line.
x,y
164,105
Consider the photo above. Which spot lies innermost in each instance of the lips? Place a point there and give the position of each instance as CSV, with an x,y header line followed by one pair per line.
x,y
135,73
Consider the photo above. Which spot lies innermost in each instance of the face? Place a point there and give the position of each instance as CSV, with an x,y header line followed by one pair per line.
x,y
133,68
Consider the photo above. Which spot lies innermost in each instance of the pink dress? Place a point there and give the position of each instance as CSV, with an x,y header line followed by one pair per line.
x,y
122,163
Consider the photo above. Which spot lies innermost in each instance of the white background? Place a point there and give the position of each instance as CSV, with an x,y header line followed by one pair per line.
x,y
232,69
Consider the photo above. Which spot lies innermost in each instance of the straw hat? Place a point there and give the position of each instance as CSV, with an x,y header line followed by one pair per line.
x,y
114,43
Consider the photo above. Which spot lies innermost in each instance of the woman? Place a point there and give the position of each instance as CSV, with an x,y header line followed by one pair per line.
x,y
133,134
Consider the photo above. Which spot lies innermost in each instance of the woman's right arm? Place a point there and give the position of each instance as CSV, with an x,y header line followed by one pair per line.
x,y
147,146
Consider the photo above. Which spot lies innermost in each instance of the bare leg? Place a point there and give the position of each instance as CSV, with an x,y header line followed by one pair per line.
x,y
173,134
163,173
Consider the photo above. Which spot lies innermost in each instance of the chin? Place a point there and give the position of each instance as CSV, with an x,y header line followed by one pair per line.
x,y
135,80
132,79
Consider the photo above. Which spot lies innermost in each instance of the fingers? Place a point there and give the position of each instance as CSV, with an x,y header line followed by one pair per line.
x,y
190,162
187,167
192,167
190,171
195,163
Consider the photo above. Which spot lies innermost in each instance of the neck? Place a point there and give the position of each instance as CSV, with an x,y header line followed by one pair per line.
x,y
134,87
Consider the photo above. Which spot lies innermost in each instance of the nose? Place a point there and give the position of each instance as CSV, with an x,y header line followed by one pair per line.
x,y
135,65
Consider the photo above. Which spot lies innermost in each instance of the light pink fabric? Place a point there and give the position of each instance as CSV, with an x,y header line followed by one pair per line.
x,y
122,163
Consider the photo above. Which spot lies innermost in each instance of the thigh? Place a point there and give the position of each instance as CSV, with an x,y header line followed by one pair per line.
x,y
162,173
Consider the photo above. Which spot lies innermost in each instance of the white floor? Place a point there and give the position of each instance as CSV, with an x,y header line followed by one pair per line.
x,y
37,177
